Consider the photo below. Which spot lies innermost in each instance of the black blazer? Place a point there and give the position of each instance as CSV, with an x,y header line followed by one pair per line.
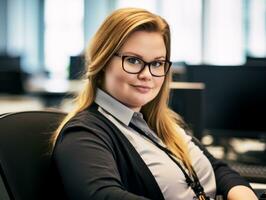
x,y
96,161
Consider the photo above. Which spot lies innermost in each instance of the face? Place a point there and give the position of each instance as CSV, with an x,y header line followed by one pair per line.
x,y
136,90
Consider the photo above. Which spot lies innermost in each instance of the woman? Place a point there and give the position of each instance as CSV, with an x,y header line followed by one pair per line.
x,y
122,141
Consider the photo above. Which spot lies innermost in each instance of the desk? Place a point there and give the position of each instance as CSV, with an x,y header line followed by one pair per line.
x,y
187,85
259,188
53,91
53,86
15,103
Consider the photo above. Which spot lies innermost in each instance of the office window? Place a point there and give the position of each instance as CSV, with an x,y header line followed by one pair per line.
x,y
63,34
224,32
146,4
217,32
256,24
185,20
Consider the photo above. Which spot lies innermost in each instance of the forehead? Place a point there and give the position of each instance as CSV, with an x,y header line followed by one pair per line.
x,y
146,44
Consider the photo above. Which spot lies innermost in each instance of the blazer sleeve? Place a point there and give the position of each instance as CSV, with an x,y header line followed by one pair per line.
x,y
226,178
87,166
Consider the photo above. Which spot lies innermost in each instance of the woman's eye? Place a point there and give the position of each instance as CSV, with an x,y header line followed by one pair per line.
x,y
157,64
133,60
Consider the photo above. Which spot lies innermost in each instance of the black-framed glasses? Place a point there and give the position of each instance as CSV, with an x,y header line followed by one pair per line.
x,y
134,65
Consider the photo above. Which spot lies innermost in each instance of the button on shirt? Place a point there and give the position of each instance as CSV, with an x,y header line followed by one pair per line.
x,y
167,174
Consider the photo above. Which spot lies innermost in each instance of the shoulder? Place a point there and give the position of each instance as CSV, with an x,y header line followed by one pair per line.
x,y
87,119
90,123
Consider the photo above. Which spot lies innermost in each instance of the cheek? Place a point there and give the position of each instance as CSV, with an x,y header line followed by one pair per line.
x,y
159,82
116,79
121,79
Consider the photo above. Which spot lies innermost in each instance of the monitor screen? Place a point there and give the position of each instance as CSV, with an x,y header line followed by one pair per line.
x,y
11,75
235,99
77,67
187,101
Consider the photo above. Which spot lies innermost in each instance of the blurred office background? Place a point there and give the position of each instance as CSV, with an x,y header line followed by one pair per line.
x,y
45,33
218,43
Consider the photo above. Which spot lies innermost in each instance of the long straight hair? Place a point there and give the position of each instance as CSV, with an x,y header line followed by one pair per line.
x,y
108,40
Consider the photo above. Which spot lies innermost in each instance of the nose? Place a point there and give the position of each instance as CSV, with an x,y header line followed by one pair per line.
x,y
145,73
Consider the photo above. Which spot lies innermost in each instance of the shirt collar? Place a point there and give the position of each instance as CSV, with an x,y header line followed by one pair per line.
x,y
114,107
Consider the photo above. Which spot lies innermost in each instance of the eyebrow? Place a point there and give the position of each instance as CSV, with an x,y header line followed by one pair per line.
x,y
140,56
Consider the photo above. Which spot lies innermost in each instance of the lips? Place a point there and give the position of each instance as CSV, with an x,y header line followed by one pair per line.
x,y
142,88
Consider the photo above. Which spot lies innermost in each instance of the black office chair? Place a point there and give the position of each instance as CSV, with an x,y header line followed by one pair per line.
x,y
25,153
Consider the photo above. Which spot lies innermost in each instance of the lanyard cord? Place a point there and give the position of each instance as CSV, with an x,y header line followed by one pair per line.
x,y
194,184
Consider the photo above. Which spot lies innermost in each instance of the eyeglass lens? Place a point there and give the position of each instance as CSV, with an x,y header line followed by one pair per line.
x,y
135,65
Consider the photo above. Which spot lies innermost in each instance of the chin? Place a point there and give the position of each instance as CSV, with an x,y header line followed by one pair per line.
x,y
140,103
137,100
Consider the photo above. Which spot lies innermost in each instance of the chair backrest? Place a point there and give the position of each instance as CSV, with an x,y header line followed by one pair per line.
x,y
25,152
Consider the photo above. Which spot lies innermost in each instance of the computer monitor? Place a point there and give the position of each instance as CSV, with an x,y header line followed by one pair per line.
x,y
187,100
252,61
7,60
235,99
76,67
11,75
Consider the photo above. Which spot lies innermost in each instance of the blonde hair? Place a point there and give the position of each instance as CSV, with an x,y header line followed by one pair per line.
x,y
110,37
